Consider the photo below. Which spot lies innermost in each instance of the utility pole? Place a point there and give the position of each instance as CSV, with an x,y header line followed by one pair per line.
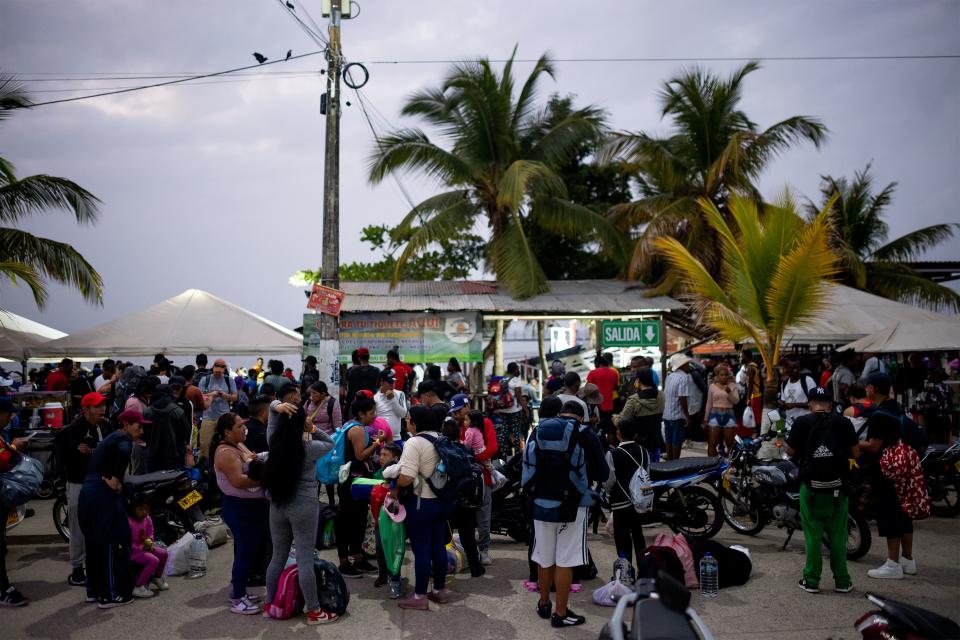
x,y
330,265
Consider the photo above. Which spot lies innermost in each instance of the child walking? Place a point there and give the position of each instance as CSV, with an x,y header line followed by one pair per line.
x,y
389,456
143,551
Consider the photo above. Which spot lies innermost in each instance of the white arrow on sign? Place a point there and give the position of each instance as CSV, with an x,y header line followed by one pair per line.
x,y
651,334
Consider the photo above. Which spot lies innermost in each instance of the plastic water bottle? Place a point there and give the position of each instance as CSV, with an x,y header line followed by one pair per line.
x,y
709,576
197,556
622,570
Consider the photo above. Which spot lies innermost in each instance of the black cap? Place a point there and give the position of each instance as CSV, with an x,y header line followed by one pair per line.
x,y
310,360
387,375
819,395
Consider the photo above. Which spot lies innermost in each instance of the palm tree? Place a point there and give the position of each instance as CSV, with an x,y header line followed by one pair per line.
x,y
714,151
774,266
24,256
499,161
868,260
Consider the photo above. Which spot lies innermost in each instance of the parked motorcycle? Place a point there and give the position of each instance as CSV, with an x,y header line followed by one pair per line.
x,y
661,609
756,492
508,514
174,499
899,621
941,466
681,499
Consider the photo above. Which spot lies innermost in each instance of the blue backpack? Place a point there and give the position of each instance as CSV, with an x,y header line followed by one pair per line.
x,y
328,466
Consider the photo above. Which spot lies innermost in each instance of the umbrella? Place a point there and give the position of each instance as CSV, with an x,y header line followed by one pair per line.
x,y
912,336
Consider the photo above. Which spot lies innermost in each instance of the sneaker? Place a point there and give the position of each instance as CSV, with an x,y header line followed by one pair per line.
x,y
13,598
347,570
544,610
909,566
244,607
396,589
78,578
321,617
90,599
531,586
440,597
806,586
160,584
889,570
142,592
485,558
380,581
419,603
364,566
116,601
846,589
569,620
478,572
576,587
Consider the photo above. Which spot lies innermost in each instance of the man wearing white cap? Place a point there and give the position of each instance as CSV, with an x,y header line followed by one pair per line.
x,y
676,414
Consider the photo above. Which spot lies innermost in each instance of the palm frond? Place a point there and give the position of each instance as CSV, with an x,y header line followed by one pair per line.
x,y
562,141
23,197
898,282
564,217
13,95
514,262
432,205
524,104
445,225
16,271
409,149
913,245
524,178
695,277
54,260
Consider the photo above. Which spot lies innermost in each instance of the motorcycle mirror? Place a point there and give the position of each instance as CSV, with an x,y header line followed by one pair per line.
x,y
738,440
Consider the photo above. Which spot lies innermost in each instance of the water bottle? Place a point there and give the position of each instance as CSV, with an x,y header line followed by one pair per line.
x,y
622,570
197,556
709,576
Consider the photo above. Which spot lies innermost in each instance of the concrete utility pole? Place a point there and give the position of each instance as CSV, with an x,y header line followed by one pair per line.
x,y
330,265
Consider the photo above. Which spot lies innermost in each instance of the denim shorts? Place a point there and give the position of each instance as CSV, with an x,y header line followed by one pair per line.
x,y
674,431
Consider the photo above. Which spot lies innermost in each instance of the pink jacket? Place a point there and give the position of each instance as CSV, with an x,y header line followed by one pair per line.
x,y
473,439
140,530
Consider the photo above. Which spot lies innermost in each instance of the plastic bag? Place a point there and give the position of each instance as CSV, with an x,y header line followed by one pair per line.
x,y
392,541
214,530
178,562
498,480
608,594
20,483
748,419
369,544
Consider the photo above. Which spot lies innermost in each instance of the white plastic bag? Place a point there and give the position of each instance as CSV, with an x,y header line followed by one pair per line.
x,y
748,419
608,594
178,562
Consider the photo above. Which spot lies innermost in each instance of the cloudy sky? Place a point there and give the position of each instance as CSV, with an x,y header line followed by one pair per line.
x,y
218,185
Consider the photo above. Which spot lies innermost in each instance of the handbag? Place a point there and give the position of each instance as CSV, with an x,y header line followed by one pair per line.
x,y
21,482
215,532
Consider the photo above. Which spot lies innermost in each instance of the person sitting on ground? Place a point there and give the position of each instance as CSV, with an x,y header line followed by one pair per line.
x,y
289,476
143,551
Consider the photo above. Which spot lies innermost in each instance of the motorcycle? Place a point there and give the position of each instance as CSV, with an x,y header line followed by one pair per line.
x,y
941,466
680,499
756,492
174,499
508,507
899,621
661,609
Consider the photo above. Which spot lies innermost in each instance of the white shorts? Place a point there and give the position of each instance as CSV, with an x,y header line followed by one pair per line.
x,y
563,544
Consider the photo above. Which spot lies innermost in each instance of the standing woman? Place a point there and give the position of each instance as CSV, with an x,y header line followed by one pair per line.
x,y
289,477
722,397
351,522
323,411
455,377
426,520
244,508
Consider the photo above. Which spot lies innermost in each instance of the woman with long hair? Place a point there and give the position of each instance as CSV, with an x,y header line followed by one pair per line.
x,y
455,377
289,477
324,412
719,417
244,508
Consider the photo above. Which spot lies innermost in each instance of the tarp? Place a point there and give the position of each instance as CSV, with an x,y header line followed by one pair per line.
x,y
193,322
914,336
20,336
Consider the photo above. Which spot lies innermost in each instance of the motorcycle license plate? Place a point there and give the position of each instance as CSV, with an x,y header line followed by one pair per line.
x,y
189,500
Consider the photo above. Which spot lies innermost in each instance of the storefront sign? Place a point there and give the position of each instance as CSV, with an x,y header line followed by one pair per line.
x,y
325,300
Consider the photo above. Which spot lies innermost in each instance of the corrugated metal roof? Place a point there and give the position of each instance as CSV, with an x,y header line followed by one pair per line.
x,y
601,297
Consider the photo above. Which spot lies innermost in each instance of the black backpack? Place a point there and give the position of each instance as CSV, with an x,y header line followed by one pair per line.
x,y
803,385
825,465
910,432
454,478
331,587
551,476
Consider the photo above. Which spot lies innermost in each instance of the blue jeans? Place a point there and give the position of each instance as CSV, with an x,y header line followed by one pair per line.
x,y
674,431
427,528
248,519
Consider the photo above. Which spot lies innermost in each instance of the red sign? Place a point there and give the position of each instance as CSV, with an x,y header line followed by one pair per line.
x,y
325,300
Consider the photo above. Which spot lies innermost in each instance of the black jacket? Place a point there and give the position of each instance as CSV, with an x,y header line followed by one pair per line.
x,y
170,428
256,436
624,466
595,453
73,464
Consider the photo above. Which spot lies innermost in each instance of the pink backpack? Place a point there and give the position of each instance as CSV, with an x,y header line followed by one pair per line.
x,y
680,546
288,600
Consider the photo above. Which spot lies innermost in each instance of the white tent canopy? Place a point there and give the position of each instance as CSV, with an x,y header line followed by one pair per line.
x,y
193,322
901,337
851,314
20,336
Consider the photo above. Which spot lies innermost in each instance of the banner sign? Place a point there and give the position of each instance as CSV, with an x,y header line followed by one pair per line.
x,y
325,300
630,333
421,337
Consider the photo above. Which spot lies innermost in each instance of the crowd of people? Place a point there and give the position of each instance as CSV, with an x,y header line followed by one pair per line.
x,y
261,436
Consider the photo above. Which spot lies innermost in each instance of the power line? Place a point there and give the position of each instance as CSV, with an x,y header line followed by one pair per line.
x,y
171,82
299,76
158,76
316,36
688,59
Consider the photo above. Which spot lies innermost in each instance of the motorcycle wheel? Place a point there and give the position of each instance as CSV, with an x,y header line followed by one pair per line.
x,y
747,522
61,517
46,489
701,505
944,497
859,537
169,525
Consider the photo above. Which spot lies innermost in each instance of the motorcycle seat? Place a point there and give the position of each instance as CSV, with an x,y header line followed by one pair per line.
x,y
683,467
653,620
152,481
926,624
937,448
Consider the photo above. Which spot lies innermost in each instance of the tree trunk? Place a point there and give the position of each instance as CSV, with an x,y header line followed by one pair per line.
x,y
541,325
498,350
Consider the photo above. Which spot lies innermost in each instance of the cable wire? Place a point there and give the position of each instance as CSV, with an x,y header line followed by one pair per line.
x,y
946,56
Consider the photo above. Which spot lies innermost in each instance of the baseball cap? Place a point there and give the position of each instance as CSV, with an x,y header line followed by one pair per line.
x,y
879,379
459,401
310,359
387,375
177,381
92,399
132,415
818,395
363,352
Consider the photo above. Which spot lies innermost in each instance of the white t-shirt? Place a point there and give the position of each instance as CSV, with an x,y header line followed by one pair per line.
x,y
677,386
515,385
99,382
793,392
566,397
393,411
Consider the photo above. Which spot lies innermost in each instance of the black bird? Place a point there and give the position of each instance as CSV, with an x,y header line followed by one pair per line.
x,y
260,57
290,6
289,53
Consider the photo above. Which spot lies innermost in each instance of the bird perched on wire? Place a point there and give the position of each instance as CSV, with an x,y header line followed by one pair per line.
x,y
289,53
260,57
290,6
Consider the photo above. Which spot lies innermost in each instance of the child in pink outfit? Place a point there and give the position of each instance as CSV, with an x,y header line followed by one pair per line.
x,y
143,551
473,437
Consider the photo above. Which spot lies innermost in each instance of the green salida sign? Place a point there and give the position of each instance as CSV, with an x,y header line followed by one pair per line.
x,y
630,333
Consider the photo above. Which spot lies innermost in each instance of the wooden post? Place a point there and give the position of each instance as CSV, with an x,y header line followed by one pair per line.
x,y
498,350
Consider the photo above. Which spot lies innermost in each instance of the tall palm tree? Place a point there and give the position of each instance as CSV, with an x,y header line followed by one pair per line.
x,y
868,260
774,266
498,160
24,256
714,151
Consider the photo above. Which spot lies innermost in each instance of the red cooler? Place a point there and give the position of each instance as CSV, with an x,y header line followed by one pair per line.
x,y
52,413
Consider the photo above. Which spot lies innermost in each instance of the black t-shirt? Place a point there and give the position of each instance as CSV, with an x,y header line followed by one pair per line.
x,y
884,427
364,376
256,436
822,429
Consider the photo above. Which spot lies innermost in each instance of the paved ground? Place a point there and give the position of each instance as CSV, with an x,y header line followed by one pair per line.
x,y
496,606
